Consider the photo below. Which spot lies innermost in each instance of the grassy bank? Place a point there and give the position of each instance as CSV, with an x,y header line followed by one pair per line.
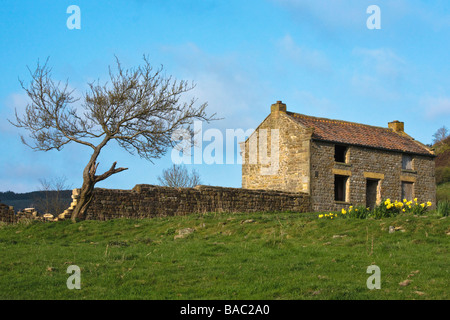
x,y
228,256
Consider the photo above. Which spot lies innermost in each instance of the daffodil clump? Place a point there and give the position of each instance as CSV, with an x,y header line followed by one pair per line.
x,y
405,206
385,209
351,212
330,216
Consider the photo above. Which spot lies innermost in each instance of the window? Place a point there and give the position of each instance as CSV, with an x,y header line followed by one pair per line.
x,y
340,153
407,190
407,162
340,188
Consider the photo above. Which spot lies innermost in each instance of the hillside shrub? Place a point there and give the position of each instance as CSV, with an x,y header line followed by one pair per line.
x,y
442,175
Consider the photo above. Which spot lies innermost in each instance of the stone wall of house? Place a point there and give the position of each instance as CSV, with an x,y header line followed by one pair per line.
x,y
147,201
362,164
290,171
425,184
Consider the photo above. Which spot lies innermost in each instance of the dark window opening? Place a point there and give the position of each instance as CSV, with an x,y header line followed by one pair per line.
x,y
340,153
340,188
407,190
407,162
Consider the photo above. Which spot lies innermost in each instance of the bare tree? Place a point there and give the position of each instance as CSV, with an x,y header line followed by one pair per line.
x,y
440,135
178,176
53,200
140,109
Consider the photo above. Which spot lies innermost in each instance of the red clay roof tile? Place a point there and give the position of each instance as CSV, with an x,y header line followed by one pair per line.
x,y
359,134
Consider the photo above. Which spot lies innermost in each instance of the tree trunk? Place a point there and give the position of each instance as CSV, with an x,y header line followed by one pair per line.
x,y
89,181
83,202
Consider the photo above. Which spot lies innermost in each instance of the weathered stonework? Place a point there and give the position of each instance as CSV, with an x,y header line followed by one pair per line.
x,y
307,164
363,164
147,201
7,214
294,156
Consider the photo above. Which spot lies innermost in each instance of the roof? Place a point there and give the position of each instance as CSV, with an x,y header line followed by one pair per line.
x,y
351,133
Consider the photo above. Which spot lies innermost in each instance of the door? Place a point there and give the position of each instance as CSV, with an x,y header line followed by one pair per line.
x,y
407,190
371,193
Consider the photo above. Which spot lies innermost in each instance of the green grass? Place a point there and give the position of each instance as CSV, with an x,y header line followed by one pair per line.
x,y
274,256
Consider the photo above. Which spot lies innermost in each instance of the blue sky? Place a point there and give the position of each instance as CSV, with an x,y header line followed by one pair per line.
x,y
318,57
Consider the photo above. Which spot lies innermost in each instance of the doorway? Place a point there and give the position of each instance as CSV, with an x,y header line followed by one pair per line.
x,y
371,193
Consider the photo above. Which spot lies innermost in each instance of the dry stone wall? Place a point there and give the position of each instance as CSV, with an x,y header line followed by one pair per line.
x,y
7,214
147,201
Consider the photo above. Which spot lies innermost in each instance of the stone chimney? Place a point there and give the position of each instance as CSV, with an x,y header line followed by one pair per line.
x,y
278,107
397,126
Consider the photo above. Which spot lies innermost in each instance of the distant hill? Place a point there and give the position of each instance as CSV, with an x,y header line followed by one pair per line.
x,y
43,201
10,195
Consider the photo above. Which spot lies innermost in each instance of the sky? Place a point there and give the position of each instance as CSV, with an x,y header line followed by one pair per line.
x,y
318,56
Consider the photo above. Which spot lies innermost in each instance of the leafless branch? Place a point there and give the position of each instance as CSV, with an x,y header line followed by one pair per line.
x,y
140,108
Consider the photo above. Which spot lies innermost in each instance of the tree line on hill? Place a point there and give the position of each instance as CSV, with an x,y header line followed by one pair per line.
x,y
11,195
53,196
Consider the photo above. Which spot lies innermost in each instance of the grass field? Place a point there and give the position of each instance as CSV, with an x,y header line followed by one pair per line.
x,y
228,256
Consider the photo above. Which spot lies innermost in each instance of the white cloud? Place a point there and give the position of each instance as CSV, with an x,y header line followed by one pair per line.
x,y
373,87
342,16
231,87
15,101
308,103
383,61
328,14
311,59
378,73
435,107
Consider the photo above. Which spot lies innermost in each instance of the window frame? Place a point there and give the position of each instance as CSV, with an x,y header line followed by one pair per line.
x,y
405,163
345,188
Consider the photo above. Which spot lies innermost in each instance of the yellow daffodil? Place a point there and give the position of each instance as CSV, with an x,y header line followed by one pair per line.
x,y
429,204
343,211
422,205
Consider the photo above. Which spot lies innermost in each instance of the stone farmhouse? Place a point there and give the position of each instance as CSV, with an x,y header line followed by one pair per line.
x,y
338,163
